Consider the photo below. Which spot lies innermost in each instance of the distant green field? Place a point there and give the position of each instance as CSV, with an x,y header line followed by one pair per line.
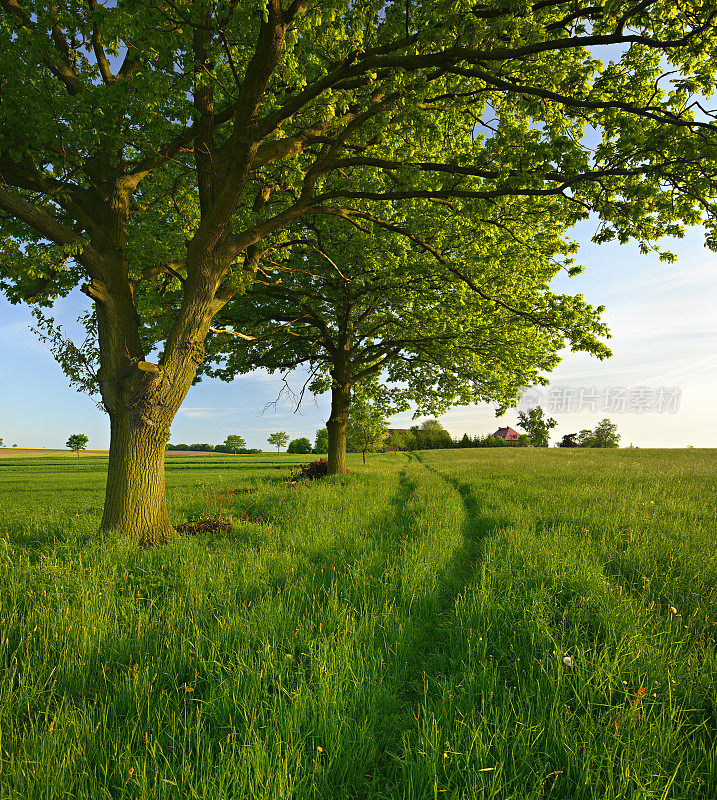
x,y
27,452
400,632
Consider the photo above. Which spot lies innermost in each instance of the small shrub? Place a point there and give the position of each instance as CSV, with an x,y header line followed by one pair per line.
x,y
311,471
205,526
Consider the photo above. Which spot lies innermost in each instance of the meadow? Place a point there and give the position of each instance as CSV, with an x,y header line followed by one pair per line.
x,y
447,624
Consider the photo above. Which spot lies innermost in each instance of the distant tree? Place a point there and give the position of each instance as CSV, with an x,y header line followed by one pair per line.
x,y
77,442
234,442
536,425
321,445
431,435
465,441
410,440
279,439
301,446
489,441
569,440
1,441
604,435
396,441
585,438
524,440
367,423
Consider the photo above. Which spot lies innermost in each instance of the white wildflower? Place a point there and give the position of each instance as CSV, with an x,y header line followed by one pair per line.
x,y
567,661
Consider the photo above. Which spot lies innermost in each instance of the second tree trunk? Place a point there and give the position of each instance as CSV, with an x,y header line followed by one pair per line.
x,y
337,426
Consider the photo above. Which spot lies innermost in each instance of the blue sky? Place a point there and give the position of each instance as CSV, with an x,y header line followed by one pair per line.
x,y
663,319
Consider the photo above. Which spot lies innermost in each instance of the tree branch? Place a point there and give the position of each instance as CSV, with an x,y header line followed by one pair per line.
x,y
55,60
99,51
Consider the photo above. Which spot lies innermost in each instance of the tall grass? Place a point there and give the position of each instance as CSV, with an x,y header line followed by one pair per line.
x,y
399,633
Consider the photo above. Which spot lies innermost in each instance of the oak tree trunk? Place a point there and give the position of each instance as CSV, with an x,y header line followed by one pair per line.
x,y
135,501
142,399
337,426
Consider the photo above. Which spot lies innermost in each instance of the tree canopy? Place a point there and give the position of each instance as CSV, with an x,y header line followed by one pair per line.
x,y
300,446
569,440
537,426
430,435
234,442
278,439
174,143
603,435
471,319
77,442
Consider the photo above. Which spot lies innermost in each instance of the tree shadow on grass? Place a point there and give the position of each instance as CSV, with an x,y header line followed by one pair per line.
x,y
39,544
422,648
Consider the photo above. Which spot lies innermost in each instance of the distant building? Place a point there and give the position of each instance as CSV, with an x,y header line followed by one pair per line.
x,y
508,434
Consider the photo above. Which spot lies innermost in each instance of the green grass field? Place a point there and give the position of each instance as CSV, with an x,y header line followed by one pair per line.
x,y
398,633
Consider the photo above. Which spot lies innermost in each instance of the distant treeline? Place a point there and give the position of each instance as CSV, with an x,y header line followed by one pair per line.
x,y
490,441
432,436
213,448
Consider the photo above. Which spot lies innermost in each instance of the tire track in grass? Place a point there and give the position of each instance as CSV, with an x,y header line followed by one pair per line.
x,y
421,657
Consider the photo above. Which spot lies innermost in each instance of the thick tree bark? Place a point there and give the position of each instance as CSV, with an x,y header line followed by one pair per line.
x,y
135,501
142,399
337,425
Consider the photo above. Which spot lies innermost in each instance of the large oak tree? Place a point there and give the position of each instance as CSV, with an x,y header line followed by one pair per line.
x,y
455,316
175,141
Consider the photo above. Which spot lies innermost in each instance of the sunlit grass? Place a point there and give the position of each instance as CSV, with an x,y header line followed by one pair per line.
x,y
397,633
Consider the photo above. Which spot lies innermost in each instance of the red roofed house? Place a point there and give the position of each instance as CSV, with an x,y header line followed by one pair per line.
x,y
510,436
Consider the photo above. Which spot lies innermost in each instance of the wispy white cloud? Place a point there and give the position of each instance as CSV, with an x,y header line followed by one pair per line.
x,y
210,413
17,334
